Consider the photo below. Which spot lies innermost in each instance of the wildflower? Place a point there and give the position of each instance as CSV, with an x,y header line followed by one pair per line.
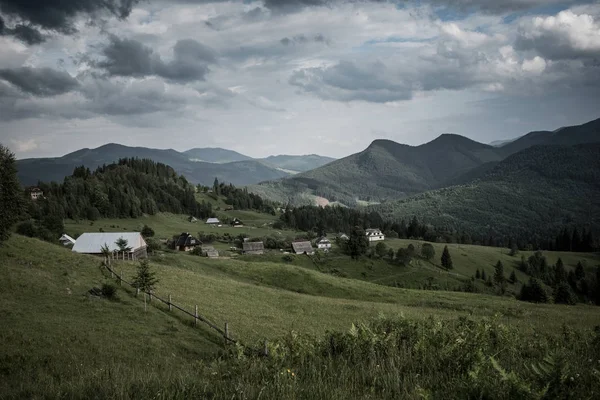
x,y
293,374
289,371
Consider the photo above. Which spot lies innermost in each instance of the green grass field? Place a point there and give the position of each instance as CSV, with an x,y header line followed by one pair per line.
x,y
59,339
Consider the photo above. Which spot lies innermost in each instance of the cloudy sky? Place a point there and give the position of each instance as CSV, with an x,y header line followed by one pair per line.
x,y
291,76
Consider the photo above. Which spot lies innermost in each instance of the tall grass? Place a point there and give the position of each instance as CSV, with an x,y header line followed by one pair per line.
x,y
384,359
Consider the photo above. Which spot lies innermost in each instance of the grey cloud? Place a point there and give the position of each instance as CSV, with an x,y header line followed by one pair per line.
x,y
346,81
128,57
302,39
55,15
40,81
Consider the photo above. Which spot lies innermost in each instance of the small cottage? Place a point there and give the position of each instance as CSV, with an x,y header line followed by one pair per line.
x,y
323,243
237,223
374,235
342,236
92,243
213,221
303,247
186,242
253,248
192,219
66,240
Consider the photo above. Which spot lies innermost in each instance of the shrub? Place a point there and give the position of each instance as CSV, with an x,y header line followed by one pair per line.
x,y
533,292
564,295
427,251
197,251
26,228
147,231
287,258
109,291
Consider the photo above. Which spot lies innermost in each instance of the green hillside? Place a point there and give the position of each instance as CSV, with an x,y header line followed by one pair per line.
x,y
298,163
215,155
61,341
534,191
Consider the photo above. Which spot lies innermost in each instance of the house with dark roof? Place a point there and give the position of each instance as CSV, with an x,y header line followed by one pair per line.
x,y
186,242
237,223
253,248
303,247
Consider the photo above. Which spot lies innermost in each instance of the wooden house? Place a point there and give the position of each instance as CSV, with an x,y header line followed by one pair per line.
x,y
253,248
66,240
186,242
213,221
36,193
303,247
237,223
210,251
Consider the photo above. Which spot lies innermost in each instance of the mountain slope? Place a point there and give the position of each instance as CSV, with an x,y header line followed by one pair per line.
x,y
32,170
215,155
571,135
387,169
540,189
298,163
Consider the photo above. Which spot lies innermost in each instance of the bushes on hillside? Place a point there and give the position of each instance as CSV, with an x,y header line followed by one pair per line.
x,y
534,292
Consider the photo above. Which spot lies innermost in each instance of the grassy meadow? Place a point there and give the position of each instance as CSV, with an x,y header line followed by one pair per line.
x,y
343,328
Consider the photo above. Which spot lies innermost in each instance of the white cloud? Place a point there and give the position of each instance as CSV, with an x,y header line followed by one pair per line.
x,y
25,146
536,65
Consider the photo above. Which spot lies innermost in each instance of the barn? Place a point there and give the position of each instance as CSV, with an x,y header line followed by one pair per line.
x,y
253,248
303,247
92,243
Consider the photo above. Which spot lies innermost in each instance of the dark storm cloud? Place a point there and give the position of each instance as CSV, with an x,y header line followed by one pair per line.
x,y
302,39
55,15
128,57
39,81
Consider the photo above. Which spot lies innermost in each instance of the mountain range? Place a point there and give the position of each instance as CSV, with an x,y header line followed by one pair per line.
x,y
200,165
387,170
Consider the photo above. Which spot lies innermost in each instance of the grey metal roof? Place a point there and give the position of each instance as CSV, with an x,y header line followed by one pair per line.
x,y
302,247
66,238
213,221
253,246
91,243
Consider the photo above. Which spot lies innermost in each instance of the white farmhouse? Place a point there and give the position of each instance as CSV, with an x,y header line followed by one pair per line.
x,y
375,235
323,243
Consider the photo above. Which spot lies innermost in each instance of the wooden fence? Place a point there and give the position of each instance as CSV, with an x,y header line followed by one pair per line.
x,y
197,317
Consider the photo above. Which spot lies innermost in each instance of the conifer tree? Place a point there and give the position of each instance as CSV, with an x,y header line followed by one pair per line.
x,y
513,277
446,259
483,275
560,274
499,273
145,279
477,274
579,271
11,198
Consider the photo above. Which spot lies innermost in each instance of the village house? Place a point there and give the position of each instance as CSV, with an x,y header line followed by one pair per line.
x,y
375,235
92,243
323,243
186,242
66,240
36,193
237,223
253,248
192,219
342,236
213,221
210,251
303,247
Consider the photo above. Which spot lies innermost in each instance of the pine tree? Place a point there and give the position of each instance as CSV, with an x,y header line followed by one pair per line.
x,y
579,271
563,294
499,273
477,274
575,241
534,292
11,198
483,275
560,274
145,279
123,245
513,277
446,259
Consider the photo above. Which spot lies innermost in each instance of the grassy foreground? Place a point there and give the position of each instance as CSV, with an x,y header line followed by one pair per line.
x,y
60,342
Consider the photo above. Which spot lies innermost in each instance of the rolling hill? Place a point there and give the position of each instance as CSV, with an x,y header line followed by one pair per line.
x,y
540,189
199,165
215,155
244,172
389,170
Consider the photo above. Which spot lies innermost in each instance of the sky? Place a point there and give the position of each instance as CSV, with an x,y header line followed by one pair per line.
x,y
291,76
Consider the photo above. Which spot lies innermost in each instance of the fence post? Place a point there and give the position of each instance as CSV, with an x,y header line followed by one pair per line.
x,y
196,316
226,332
170,306
266,348
121,278
137,291
145,309
150,295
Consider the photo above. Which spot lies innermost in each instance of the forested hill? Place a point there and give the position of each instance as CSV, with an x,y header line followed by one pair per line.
x,y
129,188
541,189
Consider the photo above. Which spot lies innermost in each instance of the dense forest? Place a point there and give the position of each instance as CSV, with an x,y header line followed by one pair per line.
x,y
239,199
126,189
341,219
